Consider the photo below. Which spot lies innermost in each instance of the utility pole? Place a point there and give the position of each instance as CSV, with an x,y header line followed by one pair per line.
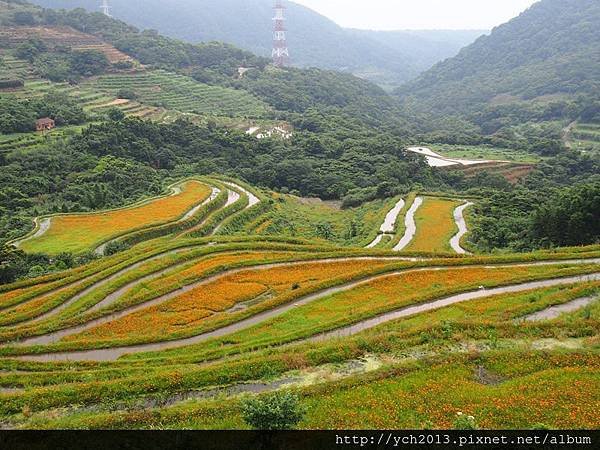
x,y
280,54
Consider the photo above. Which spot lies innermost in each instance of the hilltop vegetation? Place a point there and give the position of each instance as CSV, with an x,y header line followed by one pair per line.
x,y
540,66
386,58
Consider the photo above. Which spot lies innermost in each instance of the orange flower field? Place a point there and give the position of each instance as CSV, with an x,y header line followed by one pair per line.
x,y
200,269
6,297
78,233
437,394
187,310
367,300
435,225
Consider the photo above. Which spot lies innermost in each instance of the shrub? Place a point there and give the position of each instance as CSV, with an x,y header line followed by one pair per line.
x,y
464,422
278,411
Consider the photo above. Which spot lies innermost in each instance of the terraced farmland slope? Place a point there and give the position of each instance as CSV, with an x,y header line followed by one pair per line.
x,y
263,312
65,37
81,232
178,92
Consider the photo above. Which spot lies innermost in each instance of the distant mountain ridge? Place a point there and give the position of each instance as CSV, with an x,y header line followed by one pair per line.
x,y
548,55
389,58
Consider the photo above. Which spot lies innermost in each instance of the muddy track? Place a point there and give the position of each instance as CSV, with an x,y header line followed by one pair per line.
x,y
111,354
459,218
411,226
552,312
389,224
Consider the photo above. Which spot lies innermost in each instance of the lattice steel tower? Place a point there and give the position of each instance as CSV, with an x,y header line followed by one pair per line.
x,y
105,7
281,54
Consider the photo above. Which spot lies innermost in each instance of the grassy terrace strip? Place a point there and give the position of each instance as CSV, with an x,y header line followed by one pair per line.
x,y
237,221
150,249
482,318
415,394
38,306
210,225
118,262
168,279
105,268
197,219
385,294
34,287
367,284
464,320
199,307
81,232
435,225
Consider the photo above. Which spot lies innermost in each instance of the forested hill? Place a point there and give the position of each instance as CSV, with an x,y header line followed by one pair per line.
x,y
315,41
214,63
549,54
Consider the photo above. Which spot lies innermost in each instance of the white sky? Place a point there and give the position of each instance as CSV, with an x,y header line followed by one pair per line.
x,y
419,14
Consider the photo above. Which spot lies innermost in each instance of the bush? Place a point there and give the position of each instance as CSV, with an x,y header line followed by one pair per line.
x,y
278,411
464,422
114,247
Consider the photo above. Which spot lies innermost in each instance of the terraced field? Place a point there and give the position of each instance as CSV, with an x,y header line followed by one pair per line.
x,y
12,68
203,311
172,91
95,102
60,36
435,225
81,232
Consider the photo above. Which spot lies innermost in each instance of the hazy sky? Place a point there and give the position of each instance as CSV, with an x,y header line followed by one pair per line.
x,y
419,14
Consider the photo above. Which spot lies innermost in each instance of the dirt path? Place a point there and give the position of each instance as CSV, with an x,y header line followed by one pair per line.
x,y
459,218
42,225
111,354
411,226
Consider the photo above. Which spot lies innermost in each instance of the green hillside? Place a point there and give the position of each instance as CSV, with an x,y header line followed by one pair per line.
x,y
178,92
315,41
540,66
